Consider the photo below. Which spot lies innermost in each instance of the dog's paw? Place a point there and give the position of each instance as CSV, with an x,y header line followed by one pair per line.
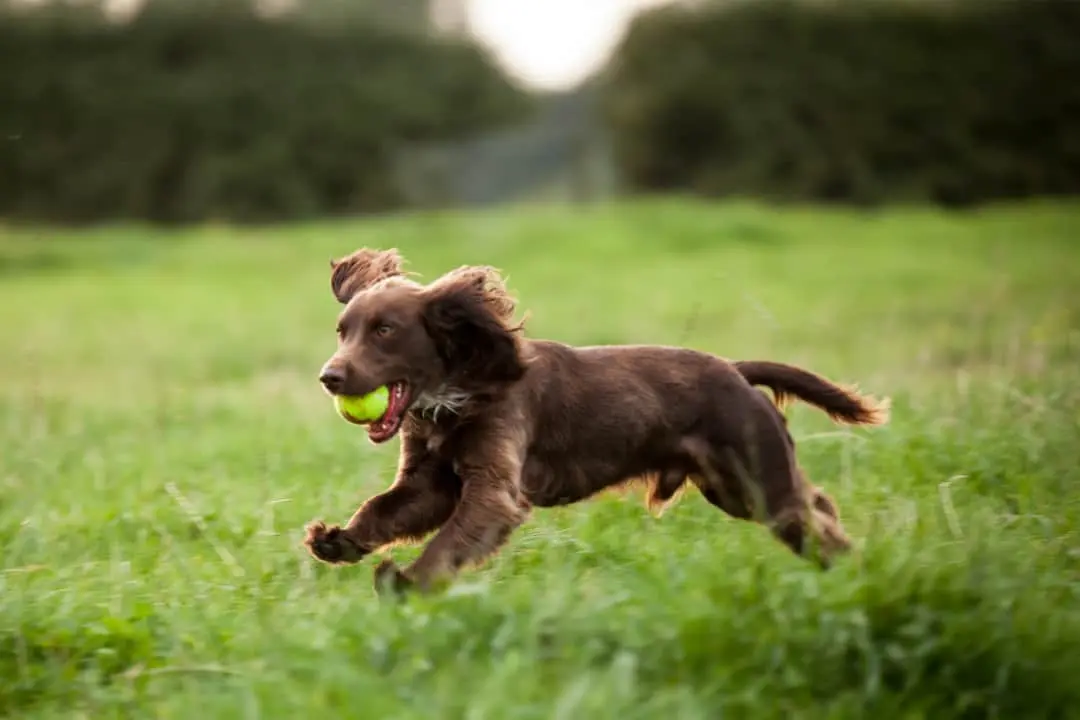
x,y
331,544
390,580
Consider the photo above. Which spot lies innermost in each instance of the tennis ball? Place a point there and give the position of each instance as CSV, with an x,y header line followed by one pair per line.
x,y
364,408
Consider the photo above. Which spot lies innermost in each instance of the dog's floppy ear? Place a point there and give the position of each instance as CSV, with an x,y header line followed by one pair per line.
x,y
362,269
468,313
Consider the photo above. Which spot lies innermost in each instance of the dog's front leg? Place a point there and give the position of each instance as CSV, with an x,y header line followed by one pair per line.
x,y
492,506
421,500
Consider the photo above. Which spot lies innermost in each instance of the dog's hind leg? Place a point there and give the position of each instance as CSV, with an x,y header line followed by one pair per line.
x,y
753,476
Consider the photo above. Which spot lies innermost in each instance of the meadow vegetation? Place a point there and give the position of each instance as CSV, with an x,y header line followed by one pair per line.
x,y
163,441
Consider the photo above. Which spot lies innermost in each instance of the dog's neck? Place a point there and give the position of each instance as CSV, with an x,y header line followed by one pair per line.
x,y
443,401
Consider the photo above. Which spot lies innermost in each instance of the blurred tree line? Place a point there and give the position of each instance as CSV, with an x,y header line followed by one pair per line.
x,y
952,101
207,109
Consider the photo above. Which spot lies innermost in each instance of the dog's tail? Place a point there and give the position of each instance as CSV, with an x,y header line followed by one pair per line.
x,y
843,404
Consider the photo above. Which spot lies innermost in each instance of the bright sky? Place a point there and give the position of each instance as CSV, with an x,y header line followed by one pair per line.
x,y
552,44
549,44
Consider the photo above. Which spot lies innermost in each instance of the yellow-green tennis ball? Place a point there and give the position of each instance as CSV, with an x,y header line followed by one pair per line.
x,y
364,408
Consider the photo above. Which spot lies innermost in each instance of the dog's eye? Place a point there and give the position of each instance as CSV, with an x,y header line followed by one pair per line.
x,y
383,329
340,329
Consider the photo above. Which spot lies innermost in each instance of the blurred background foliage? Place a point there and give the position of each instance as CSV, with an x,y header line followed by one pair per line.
x,y
209,110
952,102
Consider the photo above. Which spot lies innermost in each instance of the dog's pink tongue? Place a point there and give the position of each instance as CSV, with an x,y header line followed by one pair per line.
x,y
381,428
378,430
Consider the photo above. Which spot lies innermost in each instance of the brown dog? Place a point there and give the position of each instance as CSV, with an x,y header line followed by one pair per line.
x,y
494,423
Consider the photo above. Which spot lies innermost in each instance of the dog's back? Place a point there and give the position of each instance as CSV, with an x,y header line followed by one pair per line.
x,y
601,415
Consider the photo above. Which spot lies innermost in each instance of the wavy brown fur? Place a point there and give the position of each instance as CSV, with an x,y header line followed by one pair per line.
x,y
488,283
843,404
363,269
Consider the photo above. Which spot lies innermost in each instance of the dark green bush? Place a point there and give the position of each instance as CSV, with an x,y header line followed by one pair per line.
x,y
953,102
186,115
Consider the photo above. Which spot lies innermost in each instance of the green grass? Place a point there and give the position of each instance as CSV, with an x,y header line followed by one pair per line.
x,y
163,441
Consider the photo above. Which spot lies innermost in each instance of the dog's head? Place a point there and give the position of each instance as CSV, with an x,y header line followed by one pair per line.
x,y
455,334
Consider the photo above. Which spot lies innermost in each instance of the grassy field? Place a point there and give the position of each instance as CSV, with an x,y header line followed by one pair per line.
x,y
163,441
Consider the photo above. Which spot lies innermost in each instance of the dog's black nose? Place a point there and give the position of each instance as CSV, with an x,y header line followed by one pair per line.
x,y
332,379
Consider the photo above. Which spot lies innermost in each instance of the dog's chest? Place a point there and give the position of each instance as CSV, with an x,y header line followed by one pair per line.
x,y
437,414
440,404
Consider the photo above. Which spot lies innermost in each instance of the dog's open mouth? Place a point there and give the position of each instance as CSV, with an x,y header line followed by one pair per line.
x,y
388,425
